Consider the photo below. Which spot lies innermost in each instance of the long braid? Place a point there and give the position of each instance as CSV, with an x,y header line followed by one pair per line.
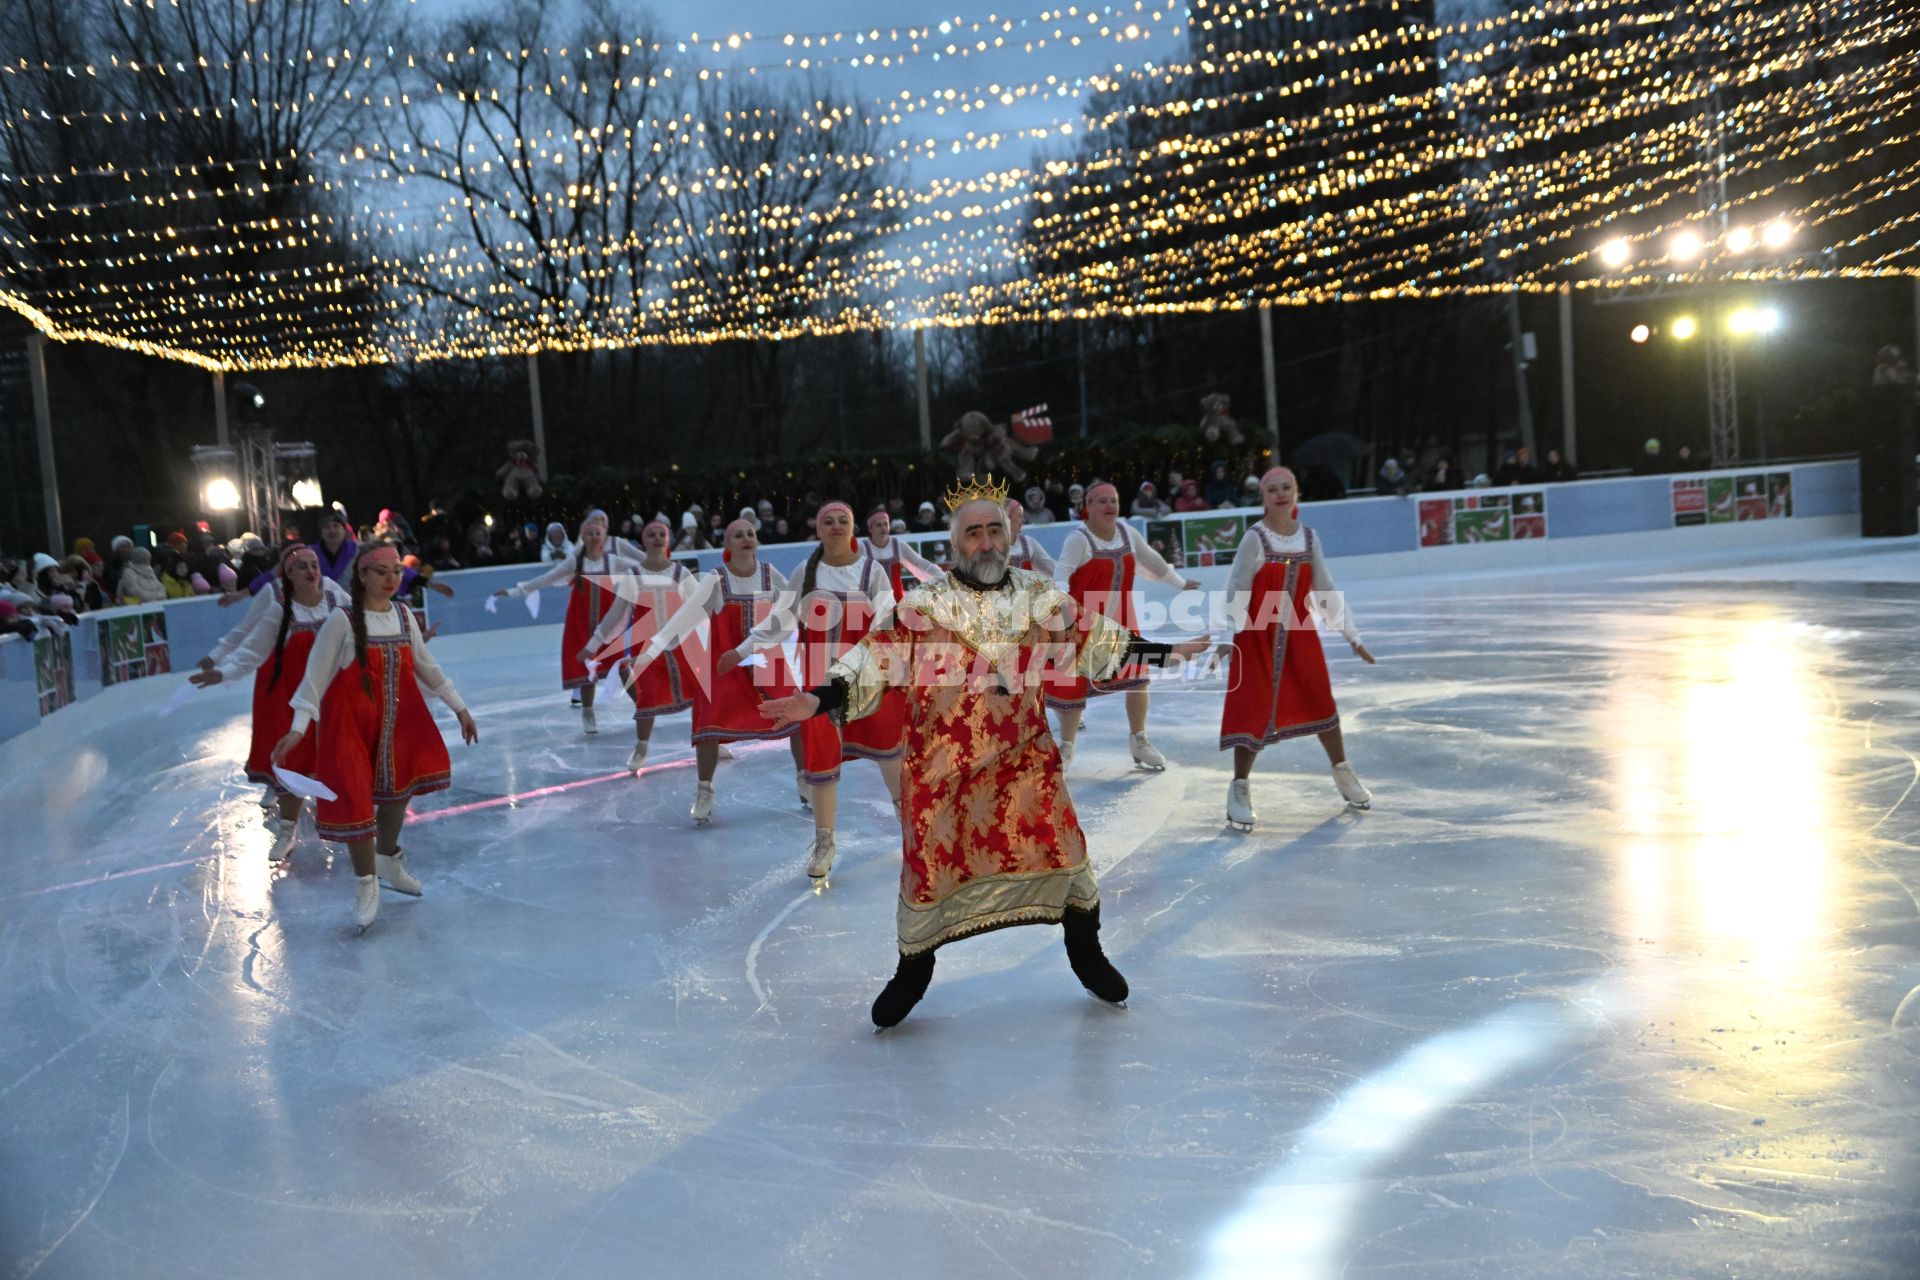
x,y
286,624
358,618
808,576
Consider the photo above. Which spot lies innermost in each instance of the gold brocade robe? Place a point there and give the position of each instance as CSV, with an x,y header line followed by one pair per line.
x,y
989,834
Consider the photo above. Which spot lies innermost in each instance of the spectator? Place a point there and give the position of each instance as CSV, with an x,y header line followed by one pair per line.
x,y
764,509
1557,468
1683,459
86,592
752,517
1393,480
1650,463
1034,509
393,527
782,531
1250,492
1190,499
1518,468
925,520
119,552
1057,499
48,577
1147,504
480,545
1076,502
1891,368
139,584
1441,477
254,560
83,547
443,557
1219,490
177,578
693,534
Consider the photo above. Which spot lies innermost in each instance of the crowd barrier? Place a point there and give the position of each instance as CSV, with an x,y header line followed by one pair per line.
x,y
1462,531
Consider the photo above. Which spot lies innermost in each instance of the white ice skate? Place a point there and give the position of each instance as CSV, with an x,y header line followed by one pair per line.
x,y
1144,754
393,869
1351,788
806,788
285,832
1240,804
638,757
820,859
1066,755
587,721
702,803
366,901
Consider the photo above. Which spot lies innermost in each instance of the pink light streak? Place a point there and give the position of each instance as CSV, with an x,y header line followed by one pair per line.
x,y
513,800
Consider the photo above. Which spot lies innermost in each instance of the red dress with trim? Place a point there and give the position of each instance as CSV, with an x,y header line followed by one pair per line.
x,y
830,624
666,684
587,603
1280,686
376,747
272,700
1103,584
727,708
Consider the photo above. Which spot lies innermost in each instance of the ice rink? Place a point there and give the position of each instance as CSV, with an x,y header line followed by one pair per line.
x,y
1619,977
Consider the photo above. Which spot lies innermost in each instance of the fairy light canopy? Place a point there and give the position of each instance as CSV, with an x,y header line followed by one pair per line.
x,y
504,185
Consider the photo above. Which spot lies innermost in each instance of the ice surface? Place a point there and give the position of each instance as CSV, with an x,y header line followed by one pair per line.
x,y
1620,977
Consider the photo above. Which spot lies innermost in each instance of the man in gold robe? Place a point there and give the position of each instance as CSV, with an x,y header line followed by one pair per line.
x,y
989,835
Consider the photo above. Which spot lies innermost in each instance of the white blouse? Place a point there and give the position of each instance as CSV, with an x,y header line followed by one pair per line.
x,y
707,599
257,604
333,653
261,627
910,559
562,571
1082,542
1328,601
638,584
1025,548
784,620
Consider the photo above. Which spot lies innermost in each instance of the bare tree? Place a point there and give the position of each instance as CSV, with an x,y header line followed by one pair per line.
x,y
782,208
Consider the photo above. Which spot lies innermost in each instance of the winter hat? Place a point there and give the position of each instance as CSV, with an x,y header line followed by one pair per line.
x,y
228,578
177,540
141,555
200,587
60,602
43,562
336,514
122,540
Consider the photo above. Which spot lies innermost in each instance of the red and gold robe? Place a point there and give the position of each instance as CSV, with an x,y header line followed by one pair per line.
x,y
990,838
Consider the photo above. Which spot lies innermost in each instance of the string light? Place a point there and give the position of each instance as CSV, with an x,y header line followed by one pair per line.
x,y
1538,145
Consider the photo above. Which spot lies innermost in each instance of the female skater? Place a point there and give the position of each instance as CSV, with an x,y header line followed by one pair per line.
x,y
1096,568
589,573
841,595
651,593
894,556
274,642
1022,551
378,745
1280,688
726,708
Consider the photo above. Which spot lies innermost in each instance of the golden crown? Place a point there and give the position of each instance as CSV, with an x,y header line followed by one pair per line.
x,y
988,490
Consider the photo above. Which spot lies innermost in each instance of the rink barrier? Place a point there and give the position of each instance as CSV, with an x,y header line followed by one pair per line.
x,y
1365,538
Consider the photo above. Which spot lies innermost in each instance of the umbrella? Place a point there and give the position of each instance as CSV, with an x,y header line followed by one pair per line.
x,y
1335,450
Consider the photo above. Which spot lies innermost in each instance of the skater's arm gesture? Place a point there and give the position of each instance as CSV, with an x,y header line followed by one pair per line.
x,y
287,744
790,710
469,731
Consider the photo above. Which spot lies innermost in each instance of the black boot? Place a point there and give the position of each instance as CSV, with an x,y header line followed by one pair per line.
x,y
903,990
1090,963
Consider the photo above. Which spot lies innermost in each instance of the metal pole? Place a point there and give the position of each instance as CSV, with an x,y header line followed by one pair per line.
x,y
1515,341
43,424
220,433
539,414
920,387
1080,349
1567,432
1267,377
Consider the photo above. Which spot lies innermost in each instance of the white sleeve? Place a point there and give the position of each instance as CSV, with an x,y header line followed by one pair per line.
x,y
1328,599
328,658
1077,550
626,548
257,605
1042,562
255,646
701,596
561,571
428,672
1149,560
923,568
1247,559
880,596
